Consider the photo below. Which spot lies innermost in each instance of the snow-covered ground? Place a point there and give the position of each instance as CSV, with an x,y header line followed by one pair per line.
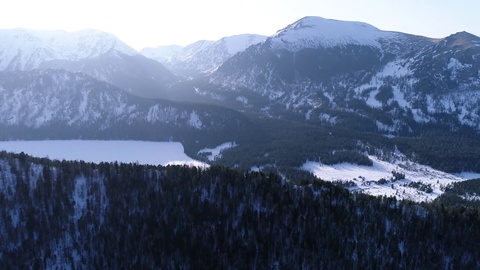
x,y
418,178
215,153
143,152
311,32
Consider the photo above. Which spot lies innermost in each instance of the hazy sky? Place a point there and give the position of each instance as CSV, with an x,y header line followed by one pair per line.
x,y
142,23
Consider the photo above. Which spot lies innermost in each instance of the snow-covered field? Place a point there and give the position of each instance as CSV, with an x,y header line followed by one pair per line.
x,y
415,186
143,152
216,153
421,182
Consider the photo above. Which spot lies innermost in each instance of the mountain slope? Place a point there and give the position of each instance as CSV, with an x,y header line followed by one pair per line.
x,y
134,73
355,75
213,56
96,53
161,54
204,57
23,49
43,104
315,50
312,32
438,84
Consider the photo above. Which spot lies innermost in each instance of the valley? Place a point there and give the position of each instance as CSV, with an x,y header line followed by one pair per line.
x,y
318,90
329,144
378,179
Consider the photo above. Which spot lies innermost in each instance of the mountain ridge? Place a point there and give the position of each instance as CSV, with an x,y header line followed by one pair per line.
x,y
93,52
48,104
55,44
204,57
361,78
316,31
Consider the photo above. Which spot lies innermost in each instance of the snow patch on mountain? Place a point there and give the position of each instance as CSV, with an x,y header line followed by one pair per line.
x,y
385,128
463,104
243,100
455,66
399,97
398,69
372,101
327,118
194,120
158,113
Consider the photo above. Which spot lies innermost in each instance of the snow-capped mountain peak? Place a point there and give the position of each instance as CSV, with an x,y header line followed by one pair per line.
x,y
190,50
89,43
203,56
161,53
24,49
238,43
311,32
208,59
461,41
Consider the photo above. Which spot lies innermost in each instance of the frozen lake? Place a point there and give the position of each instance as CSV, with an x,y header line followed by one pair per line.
x,y
143,152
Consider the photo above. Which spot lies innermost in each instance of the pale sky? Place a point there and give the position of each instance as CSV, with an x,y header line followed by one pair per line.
x,y
147,23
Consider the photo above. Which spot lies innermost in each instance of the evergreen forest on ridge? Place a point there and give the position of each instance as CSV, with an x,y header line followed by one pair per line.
x,y
110,215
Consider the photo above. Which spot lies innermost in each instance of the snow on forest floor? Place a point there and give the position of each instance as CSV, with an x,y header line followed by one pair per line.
x,y
142,152
216,153
420,182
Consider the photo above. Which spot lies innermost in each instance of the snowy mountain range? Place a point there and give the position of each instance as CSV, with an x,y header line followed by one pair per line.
x,y
326,70
202,57
99,54
324,74
24,49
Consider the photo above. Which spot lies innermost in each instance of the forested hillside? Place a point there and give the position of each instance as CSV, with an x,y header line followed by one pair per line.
x,y
59,214
462,194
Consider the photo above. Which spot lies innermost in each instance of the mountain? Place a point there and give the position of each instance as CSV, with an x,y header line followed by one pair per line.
x,y
135,73
204,57
161,54
96,53
316,51
178,61
354,75
438,84
49,104
24,49
313,32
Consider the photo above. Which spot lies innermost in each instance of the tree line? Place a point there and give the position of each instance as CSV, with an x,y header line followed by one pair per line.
x,y
72,214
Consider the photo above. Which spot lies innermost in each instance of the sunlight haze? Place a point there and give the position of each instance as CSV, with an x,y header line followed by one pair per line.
x,y
145,23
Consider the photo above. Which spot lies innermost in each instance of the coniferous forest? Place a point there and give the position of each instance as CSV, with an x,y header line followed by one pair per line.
x,y
77,215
